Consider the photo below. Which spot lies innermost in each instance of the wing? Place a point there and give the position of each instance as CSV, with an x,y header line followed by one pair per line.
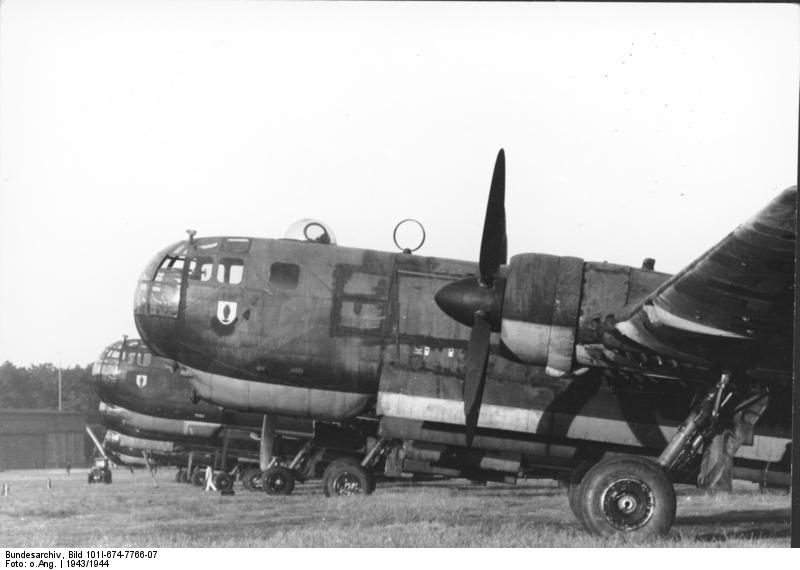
x,y
732,307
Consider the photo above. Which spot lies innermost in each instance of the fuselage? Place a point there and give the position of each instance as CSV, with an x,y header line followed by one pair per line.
x,y
261,331
127,376
144,396
330,333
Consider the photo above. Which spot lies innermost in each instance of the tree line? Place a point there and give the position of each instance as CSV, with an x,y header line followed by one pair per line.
x,y
36,387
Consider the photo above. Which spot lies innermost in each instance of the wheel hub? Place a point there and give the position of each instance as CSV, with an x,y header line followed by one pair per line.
x,y
628,503
347,484
277,482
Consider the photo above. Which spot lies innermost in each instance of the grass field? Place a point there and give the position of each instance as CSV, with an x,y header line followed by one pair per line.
x,y
132,512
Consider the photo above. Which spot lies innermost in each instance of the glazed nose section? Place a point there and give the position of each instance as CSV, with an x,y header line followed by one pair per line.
x,y
106,370
157,300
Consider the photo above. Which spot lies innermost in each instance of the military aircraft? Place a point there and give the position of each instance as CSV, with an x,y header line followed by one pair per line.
x,y
618,380
144,397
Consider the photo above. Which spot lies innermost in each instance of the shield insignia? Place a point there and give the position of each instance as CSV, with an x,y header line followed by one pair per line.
x,y
226,311
141,380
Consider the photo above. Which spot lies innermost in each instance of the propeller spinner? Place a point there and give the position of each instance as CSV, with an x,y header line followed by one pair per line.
x,y
478,301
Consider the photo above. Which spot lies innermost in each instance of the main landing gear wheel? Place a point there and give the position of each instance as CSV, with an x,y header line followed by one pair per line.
x,y
251,480
278,480
345,477
627,496
199,477
223,482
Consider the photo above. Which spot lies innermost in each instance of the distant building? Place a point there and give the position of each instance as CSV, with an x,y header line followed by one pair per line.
x,y
38,439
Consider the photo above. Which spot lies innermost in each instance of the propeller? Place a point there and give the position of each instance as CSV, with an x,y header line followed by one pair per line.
x,y
478,301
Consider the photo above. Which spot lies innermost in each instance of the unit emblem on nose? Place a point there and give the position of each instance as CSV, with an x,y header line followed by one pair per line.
x,y
226,312
141,380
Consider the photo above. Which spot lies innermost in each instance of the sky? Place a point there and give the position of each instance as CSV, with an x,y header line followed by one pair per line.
x,y
630,131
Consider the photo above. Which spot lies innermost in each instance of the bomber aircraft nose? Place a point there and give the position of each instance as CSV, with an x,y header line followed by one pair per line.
x,y
157,300
106,371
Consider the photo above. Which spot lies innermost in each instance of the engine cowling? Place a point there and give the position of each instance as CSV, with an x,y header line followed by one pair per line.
x,y
540,310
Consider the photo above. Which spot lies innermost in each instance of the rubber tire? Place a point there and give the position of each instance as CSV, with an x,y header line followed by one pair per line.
x,y
178,475
574,500
574,491
252,480
223,481
199,478
107,477
278,480
352,469
649,481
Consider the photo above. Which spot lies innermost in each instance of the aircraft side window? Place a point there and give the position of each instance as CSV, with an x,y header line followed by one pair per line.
x,y
130,358
201,268
230,270
144,358
284,275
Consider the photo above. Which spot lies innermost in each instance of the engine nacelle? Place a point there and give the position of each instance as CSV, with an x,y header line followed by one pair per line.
x,y
540,310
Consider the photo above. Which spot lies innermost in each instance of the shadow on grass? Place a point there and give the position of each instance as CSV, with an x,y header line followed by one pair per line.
x,y
769,524
759,516
750,534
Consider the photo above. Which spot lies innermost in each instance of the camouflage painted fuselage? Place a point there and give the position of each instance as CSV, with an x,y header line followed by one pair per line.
x,y
330,333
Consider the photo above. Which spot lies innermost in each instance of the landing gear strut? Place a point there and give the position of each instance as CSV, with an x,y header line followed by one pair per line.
x,y
695,429
634,495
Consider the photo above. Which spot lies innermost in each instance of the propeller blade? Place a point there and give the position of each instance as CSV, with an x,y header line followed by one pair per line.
x,y
475,377
494,244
